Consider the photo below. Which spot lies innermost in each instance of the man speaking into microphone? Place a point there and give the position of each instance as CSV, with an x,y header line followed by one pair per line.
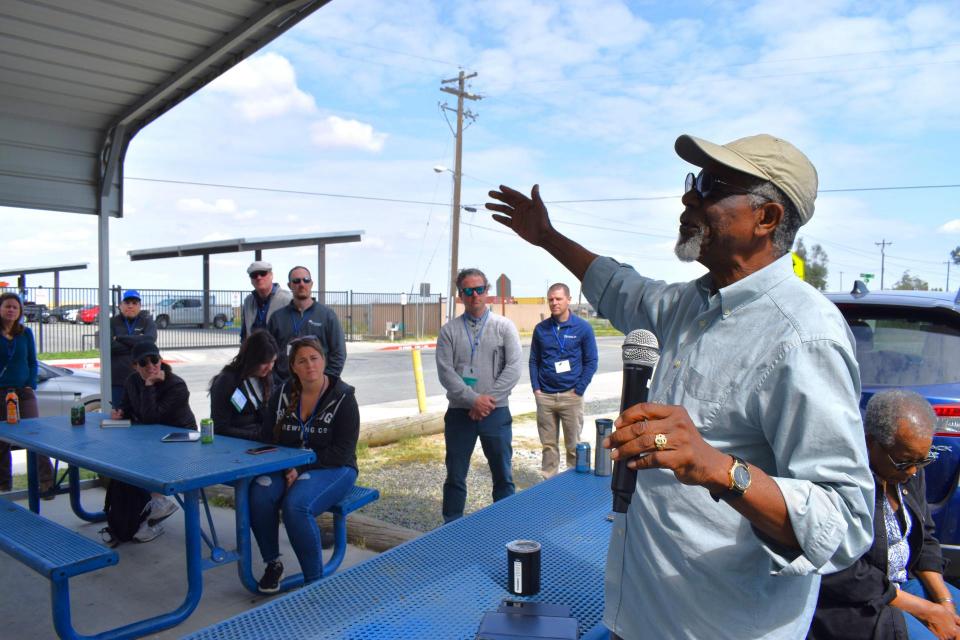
x,y
753,478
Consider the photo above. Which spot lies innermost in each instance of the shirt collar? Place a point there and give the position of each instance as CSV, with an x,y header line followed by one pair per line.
x,y
748,289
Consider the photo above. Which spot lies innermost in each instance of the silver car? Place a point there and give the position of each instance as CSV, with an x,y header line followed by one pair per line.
x,y
56,386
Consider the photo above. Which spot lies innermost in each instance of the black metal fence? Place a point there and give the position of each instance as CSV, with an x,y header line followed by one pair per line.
x,y
65,320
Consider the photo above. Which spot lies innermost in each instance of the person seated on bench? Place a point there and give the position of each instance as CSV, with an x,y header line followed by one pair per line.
x,y
896,589
240,393
18,371
153,394
311,410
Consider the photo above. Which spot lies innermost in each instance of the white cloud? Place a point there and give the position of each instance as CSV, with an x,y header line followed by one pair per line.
x,y
248,214
265,86
951,227
373,242
196,205
337,132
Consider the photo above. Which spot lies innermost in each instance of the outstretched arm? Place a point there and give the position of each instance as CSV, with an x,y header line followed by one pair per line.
x,y
529,219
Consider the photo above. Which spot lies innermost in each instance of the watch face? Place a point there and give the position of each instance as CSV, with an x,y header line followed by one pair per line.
x,y
741,477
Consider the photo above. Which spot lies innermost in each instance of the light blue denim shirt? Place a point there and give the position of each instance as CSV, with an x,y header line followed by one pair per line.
x,y
766,370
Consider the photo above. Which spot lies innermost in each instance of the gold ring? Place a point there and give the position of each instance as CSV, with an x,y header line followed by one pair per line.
x,y
660,441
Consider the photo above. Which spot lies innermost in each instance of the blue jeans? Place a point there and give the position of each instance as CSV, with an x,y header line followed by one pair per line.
x,y
313,492
916,630
460,434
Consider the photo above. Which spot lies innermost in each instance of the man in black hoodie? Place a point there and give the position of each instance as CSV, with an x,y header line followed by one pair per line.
x,y
129,327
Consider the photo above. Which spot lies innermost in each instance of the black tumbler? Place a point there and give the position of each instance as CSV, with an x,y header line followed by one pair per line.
x,y
523,567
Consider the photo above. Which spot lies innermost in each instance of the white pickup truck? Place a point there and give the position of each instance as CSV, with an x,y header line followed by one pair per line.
x,y
189,311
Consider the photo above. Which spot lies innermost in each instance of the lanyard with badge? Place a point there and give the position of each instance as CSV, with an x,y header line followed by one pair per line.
x,y
562,365
252,395
131,326
297,324
261,320
11,347
469,375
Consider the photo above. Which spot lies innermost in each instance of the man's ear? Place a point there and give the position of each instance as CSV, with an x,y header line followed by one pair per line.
x,y
769,215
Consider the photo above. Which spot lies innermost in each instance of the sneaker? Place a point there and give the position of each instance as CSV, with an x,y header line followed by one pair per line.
x,y
147,532
327,539
159,510
270,582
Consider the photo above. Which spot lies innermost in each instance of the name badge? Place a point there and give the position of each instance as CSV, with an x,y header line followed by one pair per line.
x,y
238,400
469,377
562,366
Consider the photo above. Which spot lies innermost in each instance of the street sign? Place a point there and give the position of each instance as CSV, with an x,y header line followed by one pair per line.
x,y
867,277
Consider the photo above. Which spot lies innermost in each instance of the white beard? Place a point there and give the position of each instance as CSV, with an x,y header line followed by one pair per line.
x,y
689,250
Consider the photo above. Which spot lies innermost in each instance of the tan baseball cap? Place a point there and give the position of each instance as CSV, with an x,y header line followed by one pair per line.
x,y
762,156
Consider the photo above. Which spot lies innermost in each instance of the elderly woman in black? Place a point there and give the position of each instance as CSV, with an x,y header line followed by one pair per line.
x,y
895,590
239,394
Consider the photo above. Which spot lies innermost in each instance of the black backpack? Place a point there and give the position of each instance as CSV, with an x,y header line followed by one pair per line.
x,y
124,506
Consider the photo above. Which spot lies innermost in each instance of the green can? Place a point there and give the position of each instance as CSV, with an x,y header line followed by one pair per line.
x,y
206,431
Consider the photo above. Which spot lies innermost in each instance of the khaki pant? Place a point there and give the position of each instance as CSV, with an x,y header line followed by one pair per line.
x,y
553,411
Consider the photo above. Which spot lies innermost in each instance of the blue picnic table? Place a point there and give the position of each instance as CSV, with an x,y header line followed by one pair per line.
x,y
440,584
137,455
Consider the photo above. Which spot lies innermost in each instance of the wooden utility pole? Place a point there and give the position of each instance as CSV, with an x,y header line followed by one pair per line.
x,y
461,94
883,256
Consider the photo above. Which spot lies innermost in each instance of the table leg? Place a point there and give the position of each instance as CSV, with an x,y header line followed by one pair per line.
x,y
95,516
33,488
241,505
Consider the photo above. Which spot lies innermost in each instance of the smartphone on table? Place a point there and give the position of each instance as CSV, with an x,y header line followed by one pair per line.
x,y
267,448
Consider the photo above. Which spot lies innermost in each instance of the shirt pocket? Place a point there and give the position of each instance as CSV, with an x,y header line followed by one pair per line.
x,y
712,387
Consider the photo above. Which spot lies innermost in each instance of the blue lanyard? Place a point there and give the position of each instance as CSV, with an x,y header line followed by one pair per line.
x,y
303,317
474,341
262,313
557,335
131,327
11,347
303,425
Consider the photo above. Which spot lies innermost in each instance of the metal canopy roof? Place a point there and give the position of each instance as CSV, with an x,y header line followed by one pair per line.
x,y
79,78
51,269
244,244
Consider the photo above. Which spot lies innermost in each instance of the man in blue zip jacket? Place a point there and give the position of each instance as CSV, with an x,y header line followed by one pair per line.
x,y
127,329
563,359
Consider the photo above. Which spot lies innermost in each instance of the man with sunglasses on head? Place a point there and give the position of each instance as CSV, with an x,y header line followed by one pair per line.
x,y
479,364
306,317
896,589
263,301
752,470
127,329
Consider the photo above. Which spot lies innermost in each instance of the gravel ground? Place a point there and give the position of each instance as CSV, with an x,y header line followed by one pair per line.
x,y
411,483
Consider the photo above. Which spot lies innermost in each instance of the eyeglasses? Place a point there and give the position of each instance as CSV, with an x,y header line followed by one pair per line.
x,y
258,274
299,280
466,292
145,360
705,185
919,464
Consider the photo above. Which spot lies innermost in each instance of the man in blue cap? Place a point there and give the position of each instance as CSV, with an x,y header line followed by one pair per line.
x,y
127,328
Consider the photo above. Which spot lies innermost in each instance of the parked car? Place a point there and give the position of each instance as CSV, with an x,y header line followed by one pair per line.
x,y
33,312
61,313
188,311
56,386
90,314
911,340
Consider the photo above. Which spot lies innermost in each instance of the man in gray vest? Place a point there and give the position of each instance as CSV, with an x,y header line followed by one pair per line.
x,y
263,301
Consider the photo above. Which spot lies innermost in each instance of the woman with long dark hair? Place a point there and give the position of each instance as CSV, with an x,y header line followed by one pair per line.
x,y
311,410
18,371
239,394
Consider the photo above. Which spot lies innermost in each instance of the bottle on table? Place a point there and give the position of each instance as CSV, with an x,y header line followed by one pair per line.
x,y
206,431
78,413
13,407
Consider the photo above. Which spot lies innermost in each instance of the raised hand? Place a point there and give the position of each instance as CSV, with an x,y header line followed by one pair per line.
x,y
526,216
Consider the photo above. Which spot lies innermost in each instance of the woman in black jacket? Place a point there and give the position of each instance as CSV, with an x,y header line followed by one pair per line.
x,y
896,590
317,411
239,394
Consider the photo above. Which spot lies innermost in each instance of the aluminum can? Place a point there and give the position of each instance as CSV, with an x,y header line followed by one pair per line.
x,y
206,431
523,567
602,462
583,457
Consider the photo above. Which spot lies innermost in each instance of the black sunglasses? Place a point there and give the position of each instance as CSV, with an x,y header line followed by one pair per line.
x,y
258,274
145,360
299,280
919,464
705,185
469,291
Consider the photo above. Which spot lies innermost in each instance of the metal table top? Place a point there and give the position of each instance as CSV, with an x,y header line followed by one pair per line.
x,y
441,584
137,455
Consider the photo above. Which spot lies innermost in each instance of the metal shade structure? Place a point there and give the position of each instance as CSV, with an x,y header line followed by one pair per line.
x,y
23,272
78,79
257,245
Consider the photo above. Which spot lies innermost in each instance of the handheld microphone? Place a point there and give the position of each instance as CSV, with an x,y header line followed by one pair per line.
x,y
641,351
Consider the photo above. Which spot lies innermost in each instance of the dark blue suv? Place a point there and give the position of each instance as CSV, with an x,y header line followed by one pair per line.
x,y
911,339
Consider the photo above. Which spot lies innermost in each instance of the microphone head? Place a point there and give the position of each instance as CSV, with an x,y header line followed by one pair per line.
x,y
640,347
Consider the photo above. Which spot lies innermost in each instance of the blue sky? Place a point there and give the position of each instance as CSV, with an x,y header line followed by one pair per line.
x,y
585,98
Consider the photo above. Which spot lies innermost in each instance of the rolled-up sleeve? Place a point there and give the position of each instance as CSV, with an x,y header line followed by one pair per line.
x,y
808,409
